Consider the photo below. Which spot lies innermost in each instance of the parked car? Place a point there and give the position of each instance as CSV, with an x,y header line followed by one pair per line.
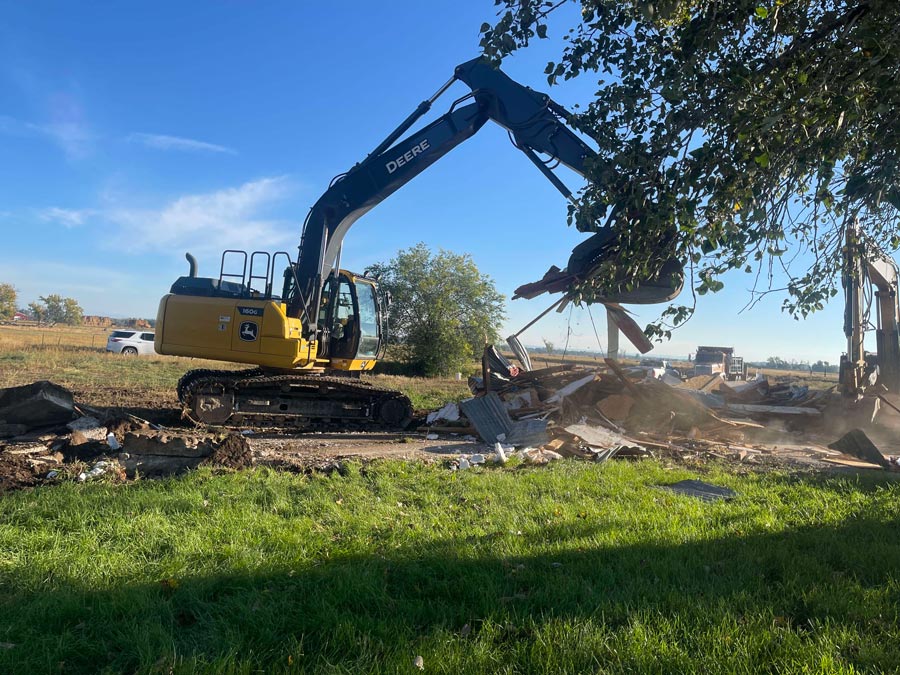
x,y
130,342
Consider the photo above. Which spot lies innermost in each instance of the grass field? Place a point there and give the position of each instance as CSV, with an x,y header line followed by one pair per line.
x,y
572,568
101,378
15,337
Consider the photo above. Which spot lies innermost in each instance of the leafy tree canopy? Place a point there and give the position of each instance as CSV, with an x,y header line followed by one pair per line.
x,y
57,309
443,308
8,297
748,133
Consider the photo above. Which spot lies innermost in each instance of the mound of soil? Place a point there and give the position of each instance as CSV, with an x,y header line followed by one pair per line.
x,y
15,473
233,452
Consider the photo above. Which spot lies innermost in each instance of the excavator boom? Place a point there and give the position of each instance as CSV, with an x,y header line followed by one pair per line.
x,y
535,122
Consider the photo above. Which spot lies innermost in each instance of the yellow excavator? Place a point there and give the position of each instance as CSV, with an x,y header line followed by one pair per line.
x,y
311,327
868,267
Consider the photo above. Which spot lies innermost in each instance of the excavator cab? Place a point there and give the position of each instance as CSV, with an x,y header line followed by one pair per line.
x,y
351,318
239,317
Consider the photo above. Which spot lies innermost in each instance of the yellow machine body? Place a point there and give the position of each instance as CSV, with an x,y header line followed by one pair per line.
x,y
244,330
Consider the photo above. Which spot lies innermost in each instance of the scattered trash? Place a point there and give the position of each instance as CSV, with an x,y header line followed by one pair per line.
x,y
432,437
463,464
112,442
476,459
697,488
52,474
449,412
539,456
419,663
499,453
98,469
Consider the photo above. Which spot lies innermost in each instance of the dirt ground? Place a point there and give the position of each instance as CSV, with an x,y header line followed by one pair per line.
x,y
301,450
325,451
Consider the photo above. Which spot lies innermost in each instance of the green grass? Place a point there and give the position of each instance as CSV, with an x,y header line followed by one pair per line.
x,y
101,378
425,393
572,568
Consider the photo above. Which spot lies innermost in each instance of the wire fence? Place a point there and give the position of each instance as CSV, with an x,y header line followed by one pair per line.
x,y
13,337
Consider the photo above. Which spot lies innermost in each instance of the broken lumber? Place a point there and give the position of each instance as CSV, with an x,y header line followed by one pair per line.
x,y
754,409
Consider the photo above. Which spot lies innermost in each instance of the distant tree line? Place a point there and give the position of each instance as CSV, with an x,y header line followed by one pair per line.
x,y
778,363
52,308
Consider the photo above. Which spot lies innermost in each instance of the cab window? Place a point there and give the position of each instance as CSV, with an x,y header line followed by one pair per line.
x,y
368,321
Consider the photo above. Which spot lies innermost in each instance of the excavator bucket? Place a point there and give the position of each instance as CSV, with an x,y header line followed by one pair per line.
x,y
586,259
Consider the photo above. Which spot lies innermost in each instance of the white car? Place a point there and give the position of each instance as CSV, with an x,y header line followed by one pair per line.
x,y
130,342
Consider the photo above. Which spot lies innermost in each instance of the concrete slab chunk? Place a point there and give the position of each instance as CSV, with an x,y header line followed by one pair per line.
x,y
37,404
166,445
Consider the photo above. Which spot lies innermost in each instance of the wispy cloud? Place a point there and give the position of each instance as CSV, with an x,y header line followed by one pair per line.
x,y
236,217
65,217
73,136
164,142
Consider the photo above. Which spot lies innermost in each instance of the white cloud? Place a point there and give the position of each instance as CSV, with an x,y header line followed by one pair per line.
x,y
212,221
65,217
73,136
163,142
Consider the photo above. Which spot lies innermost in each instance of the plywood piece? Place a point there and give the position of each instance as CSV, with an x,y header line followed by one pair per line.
x,y
855,463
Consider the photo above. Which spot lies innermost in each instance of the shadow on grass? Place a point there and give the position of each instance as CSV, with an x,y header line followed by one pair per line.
x,y
801,599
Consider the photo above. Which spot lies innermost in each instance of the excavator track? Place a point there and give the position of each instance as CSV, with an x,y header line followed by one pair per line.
x,y
253,398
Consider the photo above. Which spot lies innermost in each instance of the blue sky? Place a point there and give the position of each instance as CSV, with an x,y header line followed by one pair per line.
x,y
133,132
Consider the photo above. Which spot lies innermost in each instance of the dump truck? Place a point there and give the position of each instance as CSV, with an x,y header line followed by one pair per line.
x,y
713,360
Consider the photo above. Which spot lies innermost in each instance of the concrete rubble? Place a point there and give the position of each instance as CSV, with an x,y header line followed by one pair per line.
x,y
616,411
46,436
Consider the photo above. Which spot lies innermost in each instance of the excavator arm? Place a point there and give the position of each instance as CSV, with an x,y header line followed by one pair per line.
x,y
536,125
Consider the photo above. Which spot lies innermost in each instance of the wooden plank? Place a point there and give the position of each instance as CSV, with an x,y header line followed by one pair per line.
x,y
855,463
752,409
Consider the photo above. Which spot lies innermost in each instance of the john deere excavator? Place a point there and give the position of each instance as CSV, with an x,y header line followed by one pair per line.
x,y
310,327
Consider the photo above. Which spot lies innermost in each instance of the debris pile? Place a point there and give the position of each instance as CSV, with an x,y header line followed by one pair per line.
x,y
45,435
612,411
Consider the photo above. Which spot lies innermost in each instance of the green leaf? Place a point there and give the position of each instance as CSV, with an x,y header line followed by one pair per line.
x,y
762,12
762,160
